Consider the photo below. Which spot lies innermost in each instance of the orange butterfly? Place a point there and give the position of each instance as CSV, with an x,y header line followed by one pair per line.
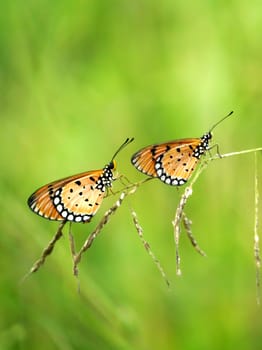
x,y
75,198
173,162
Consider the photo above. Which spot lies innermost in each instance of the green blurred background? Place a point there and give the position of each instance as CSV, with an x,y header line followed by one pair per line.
x,y
77,78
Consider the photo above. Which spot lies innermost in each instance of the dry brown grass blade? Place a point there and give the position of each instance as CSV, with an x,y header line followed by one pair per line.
x,y
47,251
187,225
73,253
176,224
126,191
256,235
180,215
147,246
88,243
72,249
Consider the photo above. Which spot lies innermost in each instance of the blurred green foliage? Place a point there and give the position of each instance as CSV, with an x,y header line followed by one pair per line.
x,y
76,79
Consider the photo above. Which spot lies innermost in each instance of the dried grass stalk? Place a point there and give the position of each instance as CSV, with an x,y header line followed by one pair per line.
x,y
147,246
47,251
256,235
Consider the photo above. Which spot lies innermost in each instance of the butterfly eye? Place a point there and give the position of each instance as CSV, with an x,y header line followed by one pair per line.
x,y
112,165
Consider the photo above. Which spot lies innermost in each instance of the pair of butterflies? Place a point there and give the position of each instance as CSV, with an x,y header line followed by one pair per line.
x,y
77,198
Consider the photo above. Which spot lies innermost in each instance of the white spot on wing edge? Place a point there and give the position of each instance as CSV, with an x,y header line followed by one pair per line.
x,y
59,208
78,219
70,217
159,172
87,217
175,182
56,200
64,214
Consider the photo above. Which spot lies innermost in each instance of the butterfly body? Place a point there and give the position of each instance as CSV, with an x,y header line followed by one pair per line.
x,y
75,198
172,162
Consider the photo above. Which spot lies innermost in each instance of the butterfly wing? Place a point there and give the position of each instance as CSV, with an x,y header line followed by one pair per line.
x,y
172,162
176,165
145,159
75,198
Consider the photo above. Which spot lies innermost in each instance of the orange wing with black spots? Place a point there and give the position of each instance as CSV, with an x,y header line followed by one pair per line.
x,y
145,159
172,162
75,198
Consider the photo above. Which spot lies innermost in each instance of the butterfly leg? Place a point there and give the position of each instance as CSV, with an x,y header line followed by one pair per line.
x,y
47,251
147,246
125,181
216,145
127,185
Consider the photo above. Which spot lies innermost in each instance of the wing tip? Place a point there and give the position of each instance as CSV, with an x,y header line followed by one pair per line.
x,y
31,201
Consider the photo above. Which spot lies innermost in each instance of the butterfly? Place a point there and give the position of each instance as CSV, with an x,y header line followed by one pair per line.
x,y
75,198
173,162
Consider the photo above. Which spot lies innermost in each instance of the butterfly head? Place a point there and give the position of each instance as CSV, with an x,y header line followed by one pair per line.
x,y
108,176
112,165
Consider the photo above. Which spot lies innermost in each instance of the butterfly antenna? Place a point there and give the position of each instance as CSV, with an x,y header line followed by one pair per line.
x,y
221,120
127,141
